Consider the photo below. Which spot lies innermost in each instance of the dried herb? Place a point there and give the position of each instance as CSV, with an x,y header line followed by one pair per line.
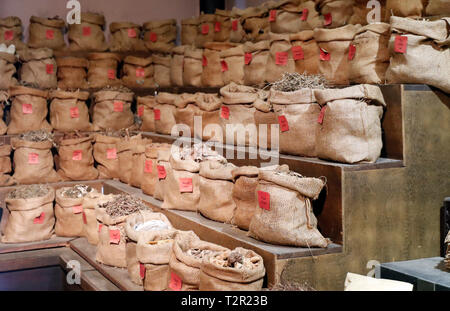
x,y
291,286
37,136
77,191
294,81
29,191
123,205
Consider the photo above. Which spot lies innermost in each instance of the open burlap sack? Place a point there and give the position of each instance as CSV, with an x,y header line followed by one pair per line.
x,y
370,58
46,33
305,52
292,16
284,214
233,62
38,68
222,25
164,112
427,56
145,107
105,154
138,160
138,72
28,110
351,127
237,33
125,37
103,70
160,36
91,226
237,270
125,149
161,63
256,23
5,166
189,30
280,57
438,7
411,8
7,70
112,110
185,113
163,166
212,63
244,195
69,112
192,68
29,220
205,29
75,158
176,65
255,61
186,259
88,36
336,13
72,72
11,32
151,173
334,47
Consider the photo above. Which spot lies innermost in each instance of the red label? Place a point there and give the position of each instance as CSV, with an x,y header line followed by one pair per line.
x,y
304,14
205,29
49,34
9,35
351,51
86,31
49,68
217,27
224,65
225,113
40,219
204,61
157,113
264,200
281,58
328,19
118,106
175,282
74,113
322,114
297,53
400,44
186,185
111,74
84,218
234,25
111,154
100,227
27,108
33,158
142,270
161,171
114,236
141,111
78,209
324,55
148,168
131,33
153,37
248,58
284,125
140,73
77,155
272,15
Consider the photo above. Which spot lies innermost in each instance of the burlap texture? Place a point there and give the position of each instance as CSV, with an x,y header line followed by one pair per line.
x,y
185,117
256,23
189,30
106,113
108,253
411,8
438,7
205,29
279,43
289,14
91,227
11,32
105,154
255,70
46,33
4,96
155,253
167,114
7,70
38,68
163,156
150,177
125,154
5,159
237,33
69,223
311,55
138,160
69,112
212,66
72,72
160,36
145,105
244,195
88,36
103,70
176,66
192,68
125,37
138,72
161,65
233,65
341,11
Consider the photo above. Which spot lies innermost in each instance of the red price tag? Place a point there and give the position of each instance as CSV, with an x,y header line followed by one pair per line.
x,y
142,270
27,108
272,15
49,34
86,31
114,236
157,113
111,74
33,158
40,219
224,65
304,15
49,68
100,227
153,37
9,35
217,27
205,29
74,113
140,73
148,167
264,200
281,58
118,106
324,55
78,209
77,155
328,19
141,111
284,125
131,33
84,218
111,154
234,25
400,44
175,282
161,171
186,185
225,113
248,58
204,61
321,115
351,51
297,53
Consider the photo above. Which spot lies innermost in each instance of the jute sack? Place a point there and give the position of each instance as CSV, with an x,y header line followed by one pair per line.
x,y
233,62
125,154
336,13
411,8
361,12
145,107
292,16
161,65
72,72
164,113
126,37
4,97
112,110
5,166
105,154
256,23
212,64
88,36
220,273
280,57
216,186
237,33
209,105
176,66
351,127
163,165
185,113
438,7
205,29
152,173
255,61
28,110
371,54
69,112
189,30
160,36
192,68
7,70
46,33
75,158
299,127
184,264
427,56
284,214
138,160
29,220
138,72
305,52
33,162
91,226
38,68
103,70
244,195
334,47
222,25
11,32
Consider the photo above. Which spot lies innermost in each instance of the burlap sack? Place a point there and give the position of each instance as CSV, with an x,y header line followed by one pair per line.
x,y
164,113
28,110
138,72
351,127
103,70
336,13
4,96
334,47
212,64
151,173
145,107
72,72
244,195
280,57
160,36
7,70
233,62
438,7
29,220
217,274
125,154
161,65
361,12
305,52
185,116
69,112
427,56
292,16
209,105
5,166
205,29
163,165
237,33
138,160
75,159
91,226
38,68
11,32
184,265
105,154
222,26
256,23
88,36
411,8
284,214
189,30
125,37
255,61
112,110
371,54
46,33
192,68
176,65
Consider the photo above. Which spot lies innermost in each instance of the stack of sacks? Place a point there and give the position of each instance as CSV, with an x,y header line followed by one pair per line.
x,y
305,52
105,154
11,32
69,112
209,105
103,70
255,62
138,72
164,113
280,57
88,35
161,63
7,68
205,29
336,13
5,166
193,67
46,33
72,72
125,149
38,68
291,16
213,66
126,37
90,223
176,65
160,36
145,112
255,22
222,25
410,8
189,30
185,113
438,7
152,171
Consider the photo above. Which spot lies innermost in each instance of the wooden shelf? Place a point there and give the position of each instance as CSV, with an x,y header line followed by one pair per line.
x,y
55,241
